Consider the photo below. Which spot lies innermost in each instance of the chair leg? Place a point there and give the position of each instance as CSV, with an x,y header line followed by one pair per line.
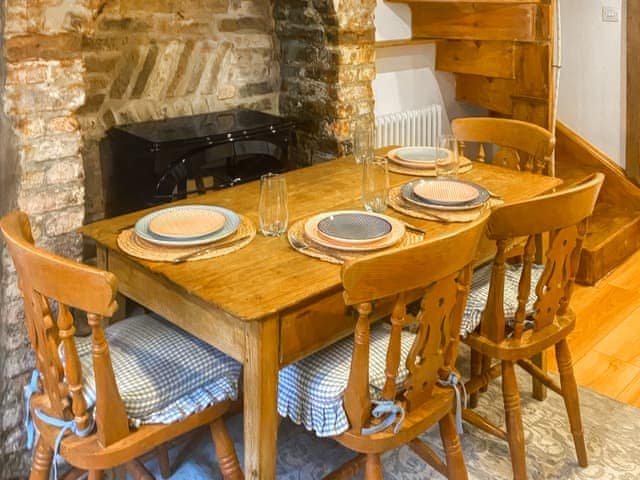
x,y
475,364
373,467
571,399
456,469
486,366
42,460
513,416
95,474
163,460
225,451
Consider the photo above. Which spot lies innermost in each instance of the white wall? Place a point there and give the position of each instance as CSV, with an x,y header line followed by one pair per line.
x,y
405,75
592,93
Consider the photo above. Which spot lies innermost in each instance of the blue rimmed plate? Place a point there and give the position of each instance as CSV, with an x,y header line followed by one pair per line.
x,y
408,193
231,224
354,227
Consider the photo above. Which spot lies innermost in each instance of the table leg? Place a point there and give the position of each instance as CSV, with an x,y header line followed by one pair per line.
x,y
260,397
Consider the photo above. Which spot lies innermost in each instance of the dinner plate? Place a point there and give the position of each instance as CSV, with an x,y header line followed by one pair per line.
x,y
445,191
354,227
186,222
411,197
417,157
232,222
312,233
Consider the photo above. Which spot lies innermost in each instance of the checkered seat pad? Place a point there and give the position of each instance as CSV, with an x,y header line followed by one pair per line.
x,y
480,291
163,373
310,392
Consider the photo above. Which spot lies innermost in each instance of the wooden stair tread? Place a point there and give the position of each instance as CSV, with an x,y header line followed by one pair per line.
x,y
614,229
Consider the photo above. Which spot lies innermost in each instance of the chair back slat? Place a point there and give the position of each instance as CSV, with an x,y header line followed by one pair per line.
x,y
520,145
398,319
563,216
50,286
439,267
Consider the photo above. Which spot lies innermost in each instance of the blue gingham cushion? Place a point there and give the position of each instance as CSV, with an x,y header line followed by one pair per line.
x,y
310,391
163,373
480,290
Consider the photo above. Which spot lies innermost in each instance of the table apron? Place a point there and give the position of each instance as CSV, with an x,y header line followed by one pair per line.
x,y
208,323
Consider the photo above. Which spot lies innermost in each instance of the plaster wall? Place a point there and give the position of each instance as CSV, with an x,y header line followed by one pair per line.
x,y
592,92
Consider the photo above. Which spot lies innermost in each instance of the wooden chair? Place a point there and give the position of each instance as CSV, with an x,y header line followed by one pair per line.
x,y
541,316
522,145
329,392
111,378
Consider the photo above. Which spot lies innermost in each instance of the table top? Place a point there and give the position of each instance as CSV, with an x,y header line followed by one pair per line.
x,y
268,277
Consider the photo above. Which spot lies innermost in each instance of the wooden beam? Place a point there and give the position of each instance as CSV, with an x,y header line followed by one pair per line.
x,y
633,92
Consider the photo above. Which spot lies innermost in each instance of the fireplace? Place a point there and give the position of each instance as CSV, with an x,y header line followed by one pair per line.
x,y
148,163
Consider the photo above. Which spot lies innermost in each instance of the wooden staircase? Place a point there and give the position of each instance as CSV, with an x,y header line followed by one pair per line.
x,y
501,53
614,229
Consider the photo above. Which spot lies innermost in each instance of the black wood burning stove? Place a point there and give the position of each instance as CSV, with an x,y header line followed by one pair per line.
x,y
144,164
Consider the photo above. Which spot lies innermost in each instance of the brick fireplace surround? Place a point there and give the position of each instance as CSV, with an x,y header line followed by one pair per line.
x,y
73,68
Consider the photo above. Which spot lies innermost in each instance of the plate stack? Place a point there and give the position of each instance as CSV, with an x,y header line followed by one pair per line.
x,y
187,225
445,194
354,231
418,158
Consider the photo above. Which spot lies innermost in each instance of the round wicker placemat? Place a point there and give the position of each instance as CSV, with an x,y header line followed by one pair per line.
x,y
465,166
135,246
332,255
399,204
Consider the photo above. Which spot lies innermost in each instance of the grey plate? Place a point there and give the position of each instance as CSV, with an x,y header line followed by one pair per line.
x,y
354,226
408,195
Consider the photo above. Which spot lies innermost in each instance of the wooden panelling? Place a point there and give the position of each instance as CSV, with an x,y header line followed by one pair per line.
x,y
633,92
491,93
473,21
489,58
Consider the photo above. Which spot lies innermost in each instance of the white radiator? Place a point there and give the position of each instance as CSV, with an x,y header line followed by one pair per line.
x,y
413,127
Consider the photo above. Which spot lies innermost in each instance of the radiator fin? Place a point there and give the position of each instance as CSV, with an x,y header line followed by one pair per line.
x,y
410,128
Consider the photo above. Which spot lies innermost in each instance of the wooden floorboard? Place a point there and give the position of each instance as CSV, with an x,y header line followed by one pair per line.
x,y
606,342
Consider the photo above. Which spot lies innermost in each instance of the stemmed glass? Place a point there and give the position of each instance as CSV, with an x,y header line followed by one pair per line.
x,y
272,208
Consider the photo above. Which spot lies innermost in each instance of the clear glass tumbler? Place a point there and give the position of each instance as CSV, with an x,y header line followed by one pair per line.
x,y
363,142
447,159
375,184
272,208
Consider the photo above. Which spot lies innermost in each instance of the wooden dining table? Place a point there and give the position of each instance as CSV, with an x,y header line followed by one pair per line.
x,y
267,305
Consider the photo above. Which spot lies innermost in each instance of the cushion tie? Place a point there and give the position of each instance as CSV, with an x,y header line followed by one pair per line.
x,y
453,381
29,390
64,425
385,407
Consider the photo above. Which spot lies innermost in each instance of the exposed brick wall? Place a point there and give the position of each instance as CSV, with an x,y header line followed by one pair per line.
x,y
327,67
155,59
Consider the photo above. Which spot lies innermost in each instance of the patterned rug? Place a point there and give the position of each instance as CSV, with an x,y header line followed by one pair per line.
x,y
612,431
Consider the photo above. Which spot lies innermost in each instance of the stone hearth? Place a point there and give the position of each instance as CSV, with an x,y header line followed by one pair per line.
x,y
71,69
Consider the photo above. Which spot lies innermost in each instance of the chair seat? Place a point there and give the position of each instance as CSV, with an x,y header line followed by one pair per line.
x,y
163,373
480,291
311,391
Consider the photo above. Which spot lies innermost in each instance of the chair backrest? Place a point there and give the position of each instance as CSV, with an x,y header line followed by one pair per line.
x,y
521,145
443,267
563,215
50,286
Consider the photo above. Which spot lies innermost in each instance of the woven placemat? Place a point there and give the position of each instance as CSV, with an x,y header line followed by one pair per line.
x,y
333,255
135,246
399,204
465,166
